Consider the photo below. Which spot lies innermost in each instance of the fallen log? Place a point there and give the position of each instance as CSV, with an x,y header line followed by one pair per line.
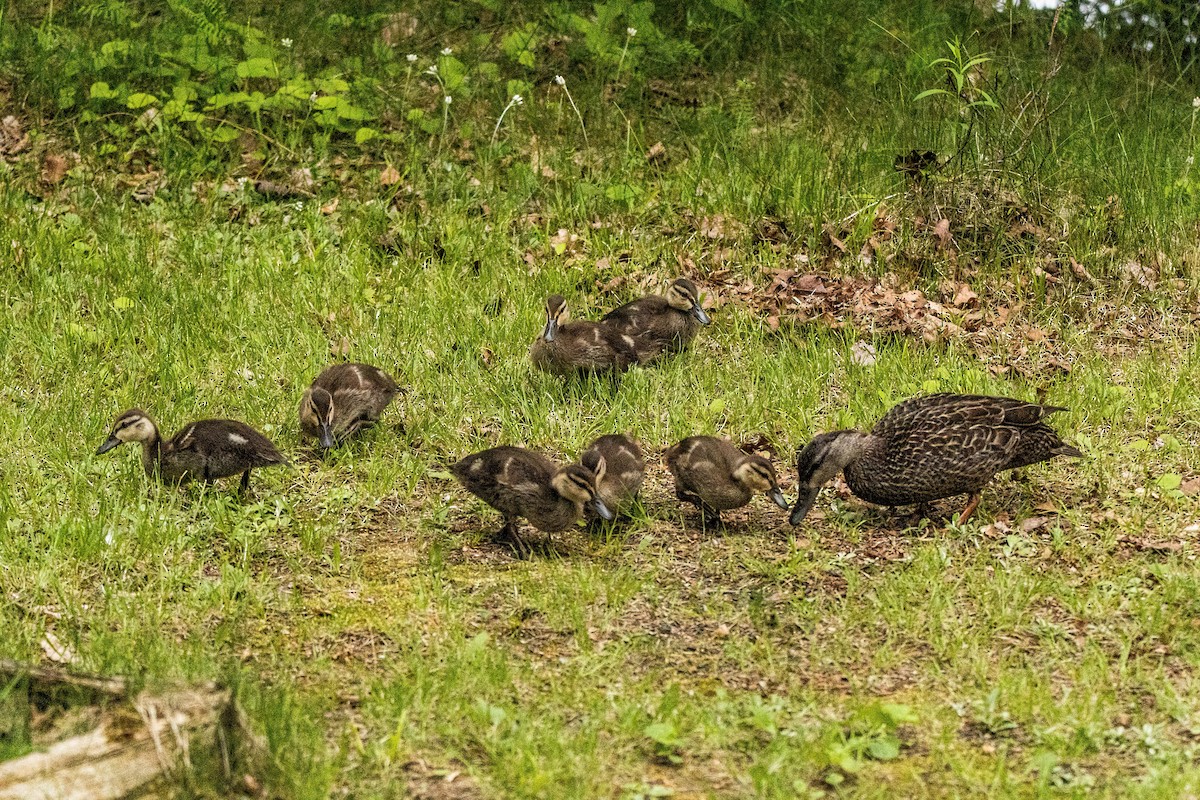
x,y
141,742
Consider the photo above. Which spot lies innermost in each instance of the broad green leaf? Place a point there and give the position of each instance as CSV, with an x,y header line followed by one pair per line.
x,y
331,85
257,68
453,72
519,45
227,99
364,135
662,732
122,303
140,100
1169,481
515,87
102,91
886,748
898,713
349,111
117,47
224,133
623,192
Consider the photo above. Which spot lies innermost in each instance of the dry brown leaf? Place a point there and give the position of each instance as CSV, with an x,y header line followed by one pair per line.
x,y
54,168
941,231
831,239
563,242
863,354
1140,274
717,226
341,349
389,177
331,206
781,279
1031,524
1190,487
965,297
1158,546
656,153
13,138
398,27
55,650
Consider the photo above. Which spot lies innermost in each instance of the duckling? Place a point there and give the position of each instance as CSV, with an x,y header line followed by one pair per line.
x,y
618,459
716,476
660,325
521,483
206,449
567,348
343,400
931,447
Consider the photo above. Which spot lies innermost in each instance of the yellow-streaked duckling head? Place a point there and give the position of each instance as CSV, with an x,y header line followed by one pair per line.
x,y
316,412
683,296
578,484
133,425
557,315
758,475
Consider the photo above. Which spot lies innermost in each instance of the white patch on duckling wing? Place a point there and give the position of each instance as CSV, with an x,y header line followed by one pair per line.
x,y
237,438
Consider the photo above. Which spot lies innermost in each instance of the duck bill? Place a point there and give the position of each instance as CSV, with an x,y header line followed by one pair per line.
x,y
601,509
550,330
777,497
699,314
804,504
326,438
109,444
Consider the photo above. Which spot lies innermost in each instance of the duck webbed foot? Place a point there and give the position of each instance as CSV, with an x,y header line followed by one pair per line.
x,y
510,536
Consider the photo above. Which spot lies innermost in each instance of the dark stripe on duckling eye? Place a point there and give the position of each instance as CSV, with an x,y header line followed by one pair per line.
x,y
581,484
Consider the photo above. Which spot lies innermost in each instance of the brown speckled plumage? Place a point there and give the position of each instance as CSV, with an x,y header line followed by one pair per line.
x,y
715,476
522,483
569,348
205,450
931,447
343,400
623,472
660,325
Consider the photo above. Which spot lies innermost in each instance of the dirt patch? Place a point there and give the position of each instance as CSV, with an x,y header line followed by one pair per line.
x,y
352,646
428,780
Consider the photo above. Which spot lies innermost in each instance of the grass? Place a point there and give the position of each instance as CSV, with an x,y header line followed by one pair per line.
x,y
383,645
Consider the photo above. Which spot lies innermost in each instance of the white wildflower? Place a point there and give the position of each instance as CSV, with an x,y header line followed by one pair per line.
x,y
447,99
312,98
560,80
432,70
286,43
631,32
516,98
1196,102
412,57
446,51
